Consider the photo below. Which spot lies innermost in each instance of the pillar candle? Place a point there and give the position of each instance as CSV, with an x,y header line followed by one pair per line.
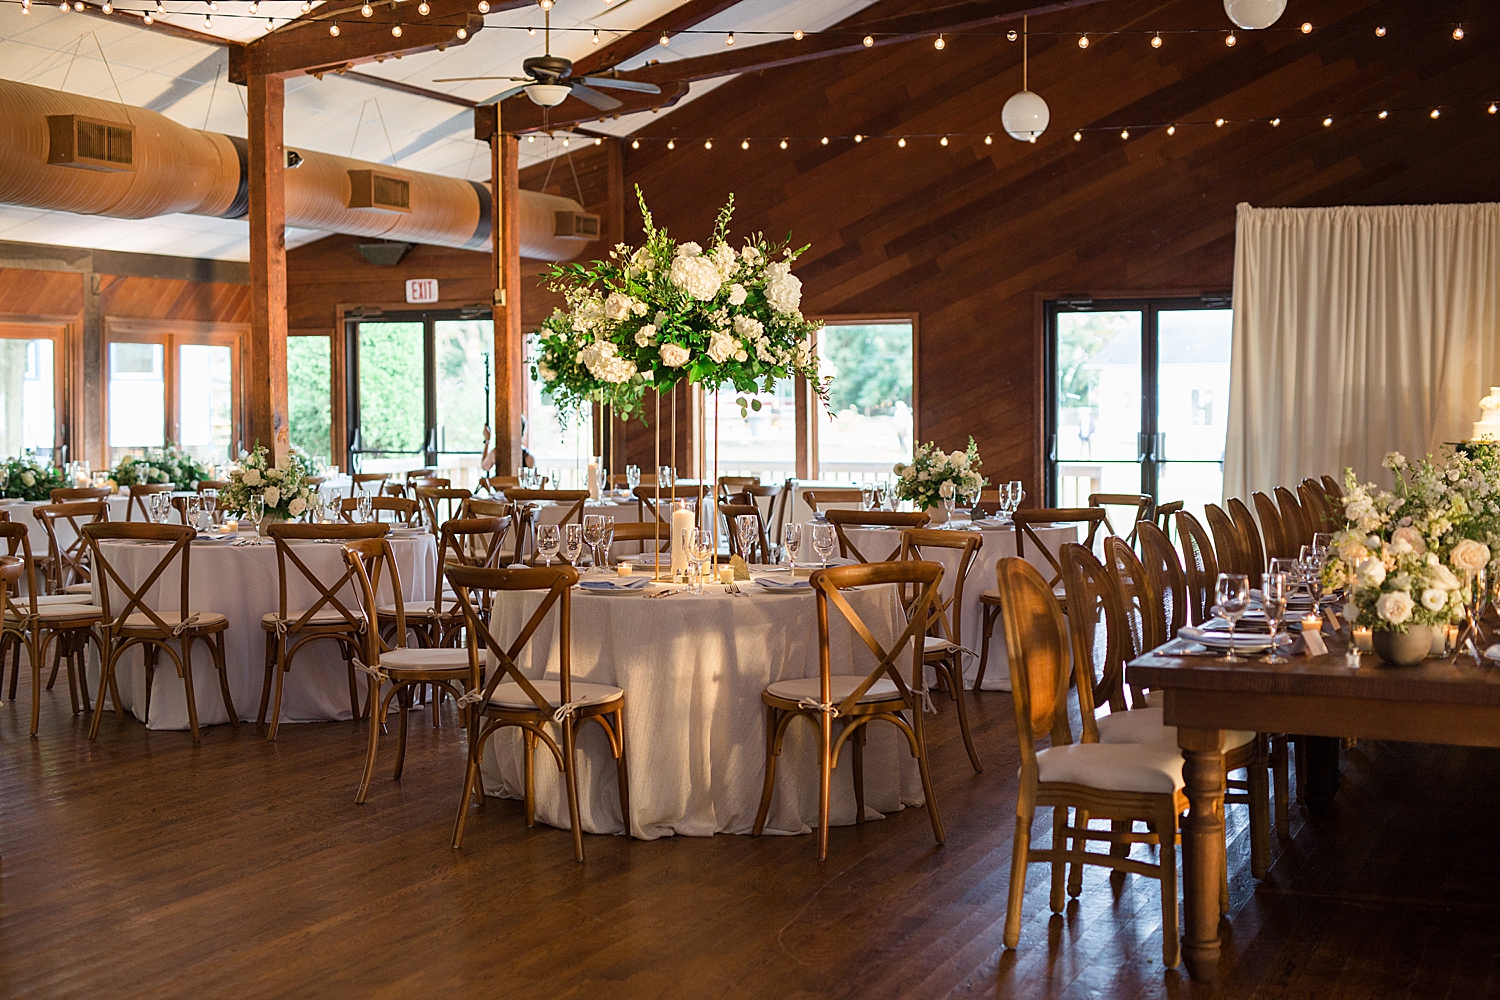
x,y
593,481
682,527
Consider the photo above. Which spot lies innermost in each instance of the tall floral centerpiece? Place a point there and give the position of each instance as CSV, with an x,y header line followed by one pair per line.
x,y
668,312
280,487
25,478
170,465
1416,558
935,476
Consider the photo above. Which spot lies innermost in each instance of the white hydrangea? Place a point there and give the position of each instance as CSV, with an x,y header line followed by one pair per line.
x,y
602,360
725,260
764,352
673,356
696,276
689,249
544,372
748,327
736,294
783,288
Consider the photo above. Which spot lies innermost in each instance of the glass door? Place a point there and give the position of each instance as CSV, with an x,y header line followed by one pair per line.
x,y
1138,399
464,393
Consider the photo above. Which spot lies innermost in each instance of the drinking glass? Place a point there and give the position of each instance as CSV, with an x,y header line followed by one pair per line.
x,y
606,538
1311,561
593,529
866,497
548,541
194,511
823,540
142,473
256,511
1233,597
1275,588
665,476
949,503
554,479
1322,541
791,539
366,508
747,526
1017,494
700,551
209,500
572,546
632,476
315,507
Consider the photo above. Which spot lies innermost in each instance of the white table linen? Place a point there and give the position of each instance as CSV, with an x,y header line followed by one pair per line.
x,y
693,669
999,543
241,582
22,511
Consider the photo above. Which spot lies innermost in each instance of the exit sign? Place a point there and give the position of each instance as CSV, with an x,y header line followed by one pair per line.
x,y
420,291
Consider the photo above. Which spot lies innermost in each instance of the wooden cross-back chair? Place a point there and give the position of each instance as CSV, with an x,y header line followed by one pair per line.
x,y
729,487
1315,507
760,551
436,621
441,504
842,520
138,494
404,668
532,500
943,648
1271,531
402,510
647,502
1122,783
486,507
508,698
329,616
1201,567
824,496
504,484
411,477
71,494
212,484
369,482
134,622
1231,550
1334,491
1295,527
646,536
1025,523
1163,516
1249,536
33,622
1143,508
857,699
779,497
67,564
1165,577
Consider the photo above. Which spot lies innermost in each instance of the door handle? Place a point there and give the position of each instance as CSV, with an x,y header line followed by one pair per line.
x,y
1143,447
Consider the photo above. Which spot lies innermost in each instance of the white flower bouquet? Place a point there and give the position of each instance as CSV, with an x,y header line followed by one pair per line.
x,y
281,486
667,312
935,475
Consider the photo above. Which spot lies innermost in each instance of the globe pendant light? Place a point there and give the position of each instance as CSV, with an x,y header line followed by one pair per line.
x,y
1025,115
1253,14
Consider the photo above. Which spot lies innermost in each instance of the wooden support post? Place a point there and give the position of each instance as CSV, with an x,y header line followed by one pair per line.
x,y
267,350
510,373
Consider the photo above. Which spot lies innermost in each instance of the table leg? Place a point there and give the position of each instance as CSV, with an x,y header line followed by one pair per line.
x,y
1203,848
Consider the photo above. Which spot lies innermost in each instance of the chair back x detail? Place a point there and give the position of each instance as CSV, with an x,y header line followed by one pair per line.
x,y
844,519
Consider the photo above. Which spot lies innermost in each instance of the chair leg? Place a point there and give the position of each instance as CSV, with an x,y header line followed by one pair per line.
x,y
57,655
364,782
187,680
281,668
570,778
70,656
621,772
770,782
36,687
857,757
825,778
403,712
528,753
928,793
216,649
990,615
1075,872
956,687
106,681
470,775
1060,842
15,668
1260,813
1166,833
1281,786
1020,851
273,642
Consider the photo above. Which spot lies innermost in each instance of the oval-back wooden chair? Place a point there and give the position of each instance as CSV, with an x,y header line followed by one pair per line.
x,y
1164,574
1271,528
1295,526
1201,567
1230,549
1250,536
1334,490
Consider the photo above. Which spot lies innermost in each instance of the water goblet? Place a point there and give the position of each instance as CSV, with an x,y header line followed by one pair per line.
x,y
256,510
593,529
700,551
548,541
866,497
1232,594
791,540
1275,588
1017,494
949,503
193,508
209,502
572,546
747,526
366,508
606,538
823,541
632,476
665,476
142,473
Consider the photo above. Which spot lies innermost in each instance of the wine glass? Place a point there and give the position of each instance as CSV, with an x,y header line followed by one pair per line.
x,y
747,526
632,476
606,538
1017,494
823,541
700,550
366,508
1275,588
1233,597
949,502
572,546
142,473
791,539
593,529
209,501
1322,541
1311,561
256,510
548,541
194,510
664,476
866,496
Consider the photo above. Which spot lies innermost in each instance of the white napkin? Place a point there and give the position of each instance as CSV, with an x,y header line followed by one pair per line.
x,y
771,584
627,583
1217,637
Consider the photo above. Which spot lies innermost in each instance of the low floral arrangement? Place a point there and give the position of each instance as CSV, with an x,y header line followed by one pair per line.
x,y
934,476
163,465
666,312
27,479
1411,556
281,486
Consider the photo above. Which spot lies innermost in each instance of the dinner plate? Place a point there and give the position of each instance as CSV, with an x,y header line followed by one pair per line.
x,y
1221,640
637,585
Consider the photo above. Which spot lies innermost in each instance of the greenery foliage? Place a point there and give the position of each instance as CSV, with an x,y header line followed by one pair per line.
x,y
163,465
27,479
870,367
309,377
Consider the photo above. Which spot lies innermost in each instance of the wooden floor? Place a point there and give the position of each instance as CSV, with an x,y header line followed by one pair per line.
x,y
142,867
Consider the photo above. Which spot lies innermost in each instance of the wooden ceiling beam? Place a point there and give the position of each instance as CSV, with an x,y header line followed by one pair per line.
x,y
642,39
293,48
842,40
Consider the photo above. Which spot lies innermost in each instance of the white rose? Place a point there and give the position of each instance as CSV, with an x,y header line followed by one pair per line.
x,y
1371,573
946,490
959,460
272,495
1469,557
721,347
1395,607
1443,577
736,294
296,507
1434,599
696,276
899,469
673,356
1412,537
750,254
252,477
742,356
617,306
28,479
645,336
275,474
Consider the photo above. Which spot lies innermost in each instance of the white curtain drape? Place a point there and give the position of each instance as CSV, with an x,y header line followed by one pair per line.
x,y
1357,332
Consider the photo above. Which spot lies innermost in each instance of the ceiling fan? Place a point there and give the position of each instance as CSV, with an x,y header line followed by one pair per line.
x,y
549,80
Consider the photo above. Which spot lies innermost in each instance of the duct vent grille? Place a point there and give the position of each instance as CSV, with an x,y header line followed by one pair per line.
x,y
380,191
577,225
90,143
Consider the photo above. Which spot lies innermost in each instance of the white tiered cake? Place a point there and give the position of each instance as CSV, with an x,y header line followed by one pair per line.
x,y
1488,426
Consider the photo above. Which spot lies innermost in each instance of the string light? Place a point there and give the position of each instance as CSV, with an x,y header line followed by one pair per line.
x,y
744,143
213,5
1307,27
1436,113
1077,136
1328,121
797,35
544,4
1011,35
1275,122
989,140
1171,130
1083,41
423,8
901,142
1494,107
1380,31
270,24
941,142
531,138
1218,123
671,143
333,29
708,144
566,142
484,8
531,32
729,39
940,44
146,18
208,21
108,7
462,33
26,9
596,36
1458,33
396,31
783,144
1124,133
869,41
825,140
1230,41
636,144
598,141
306,6
663,39
367,10
858,137
1384,115
1156,40
254,7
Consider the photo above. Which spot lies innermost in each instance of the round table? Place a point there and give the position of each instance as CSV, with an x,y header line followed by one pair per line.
x,y
693,668
240,581
21,512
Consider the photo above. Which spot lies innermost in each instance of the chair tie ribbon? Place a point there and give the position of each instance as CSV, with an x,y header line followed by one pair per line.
x,y
378,675
812,704
473,697
567,709
185,624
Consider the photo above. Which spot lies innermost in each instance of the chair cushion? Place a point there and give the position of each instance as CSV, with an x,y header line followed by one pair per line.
x,y
1154,768
201,620
417,658
935,644
841,687
62,612
43,600
510,695
412,608
325,617
1144,725
79,588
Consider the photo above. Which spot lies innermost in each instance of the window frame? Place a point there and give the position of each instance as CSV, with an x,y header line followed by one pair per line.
x,y
59,332
807,428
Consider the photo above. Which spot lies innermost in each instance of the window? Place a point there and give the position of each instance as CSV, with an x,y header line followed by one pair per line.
x,y
560,444
137,398
871,400
1137,399
29,390
173,384
309,381
759,439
